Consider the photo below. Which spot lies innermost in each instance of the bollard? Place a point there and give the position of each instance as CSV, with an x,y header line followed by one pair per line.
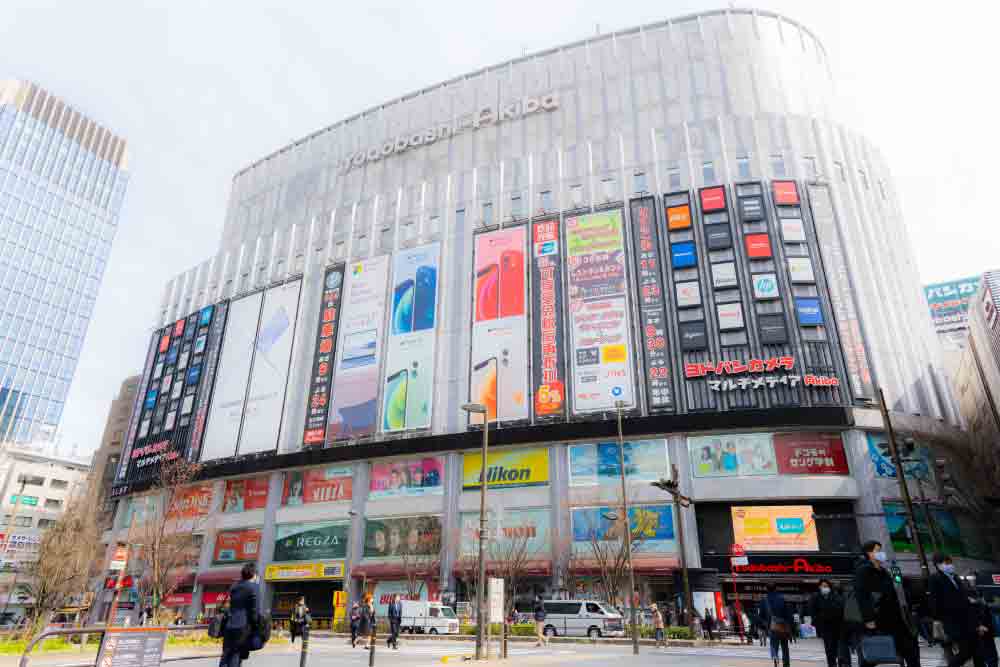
x,y
305,646
371,650
504,631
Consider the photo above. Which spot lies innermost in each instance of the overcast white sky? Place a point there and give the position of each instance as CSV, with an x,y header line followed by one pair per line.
x,y
201,89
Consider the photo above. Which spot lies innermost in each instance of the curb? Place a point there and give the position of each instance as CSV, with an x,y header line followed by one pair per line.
x,y
605,641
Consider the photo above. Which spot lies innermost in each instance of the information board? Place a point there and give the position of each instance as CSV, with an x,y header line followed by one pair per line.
x,y
132,647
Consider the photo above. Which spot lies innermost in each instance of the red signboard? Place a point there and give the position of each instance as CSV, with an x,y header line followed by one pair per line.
x,y
316,485
785,193
111,582
215,597
243,495
794,566
191,502
713,199
236,546
758,246
178,600
810,454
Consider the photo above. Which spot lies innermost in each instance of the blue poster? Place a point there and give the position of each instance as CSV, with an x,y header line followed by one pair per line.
x,y
591,464
809,311
683,255
917,467
652,528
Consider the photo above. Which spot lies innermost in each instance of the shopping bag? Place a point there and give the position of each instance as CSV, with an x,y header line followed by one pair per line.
x,y
878,650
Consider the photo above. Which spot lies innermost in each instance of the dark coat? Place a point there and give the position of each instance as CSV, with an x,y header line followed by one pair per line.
x,y
827,612
539,611
367,621
773,607
243,618
949,603
395,612
877,599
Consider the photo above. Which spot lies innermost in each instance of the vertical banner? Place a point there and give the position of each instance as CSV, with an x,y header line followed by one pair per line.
x,y
230,393
548,352
354,397
322,368
841,294
213,344
498,374
140,392
652,305
599,319
409,369
265,406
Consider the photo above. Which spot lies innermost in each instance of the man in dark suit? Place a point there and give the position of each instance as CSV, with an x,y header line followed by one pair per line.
x,y
949,602
243,618
395,620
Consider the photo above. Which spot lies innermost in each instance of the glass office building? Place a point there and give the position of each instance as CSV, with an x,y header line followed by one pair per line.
x,y
62,181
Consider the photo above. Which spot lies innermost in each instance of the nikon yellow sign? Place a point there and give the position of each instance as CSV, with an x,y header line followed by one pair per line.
x,y
507,468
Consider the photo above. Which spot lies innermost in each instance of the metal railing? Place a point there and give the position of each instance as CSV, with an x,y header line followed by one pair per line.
x,y
101,630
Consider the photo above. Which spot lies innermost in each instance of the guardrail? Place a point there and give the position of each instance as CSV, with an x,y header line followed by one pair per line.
x,y
101,630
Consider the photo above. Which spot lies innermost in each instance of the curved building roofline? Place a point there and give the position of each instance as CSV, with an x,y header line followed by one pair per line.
x,y
526,58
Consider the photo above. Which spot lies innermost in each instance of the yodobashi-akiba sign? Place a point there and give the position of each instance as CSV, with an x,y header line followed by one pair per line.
x,y
483,118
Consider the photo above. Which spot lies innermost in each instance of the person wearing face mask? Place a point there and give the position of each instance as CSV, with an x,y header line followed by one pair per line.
x,y
827,611
952,612
881,611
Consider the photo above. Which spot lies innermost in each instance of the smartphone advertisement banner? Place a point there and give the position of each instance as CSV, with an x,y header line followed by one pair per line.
x,y
265,406
600,324
498,376
230,391
652,313
326,338
548,351
409,369
211,344
354,397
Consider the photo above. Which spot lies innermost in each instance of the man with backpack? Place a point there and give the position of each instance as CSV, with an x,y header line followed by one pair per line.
x,y
242,626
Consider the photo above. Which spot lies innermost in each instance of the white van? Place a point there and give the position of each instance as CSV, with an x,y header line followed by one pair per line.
x,y
423,617
581,618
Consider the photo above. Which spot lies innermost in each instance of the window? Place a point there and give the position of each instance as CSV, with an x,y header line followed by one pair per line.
x,y
434,225
22,521
53,503
743,166
25,500
59,483
708,172
640,182
864,178
778,165
810,165
674,177
841,174
46,523
576,195
31,480
515,207
571,608
545,202
435,612
487,213
594,608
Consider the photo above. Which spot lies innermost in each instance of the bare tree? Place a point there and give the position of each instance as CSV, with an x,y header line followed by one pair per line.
x,y
60,574
421,559
609,550
510,554
164,544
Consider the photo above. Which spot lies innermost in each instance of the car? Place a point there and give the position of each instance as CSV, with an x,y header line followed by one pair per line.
x,y
581,618
424,617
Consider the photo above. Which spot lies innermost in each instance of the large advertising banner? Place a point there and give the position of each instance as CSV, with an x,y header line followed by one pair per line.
x,y
402,536
409,369
322,368
949,302
841,295
810,454
775,528
506,468
398,479
385,591
230,393
133,422
354,397
526,532
265,407
236,546
213,346
317,485
600,324
244,495
652,528
322,540
917,465
944,532
548,349
191,502
593,464
732,455
498,376
652,305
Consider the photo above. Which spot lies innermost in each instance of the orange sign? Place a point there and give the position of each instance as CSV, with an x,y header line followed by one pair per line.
x,y
191,502
678,217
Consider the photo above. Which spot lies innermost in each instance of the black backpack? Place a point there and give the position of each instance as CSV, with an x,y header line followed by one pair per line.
x,y
217,626
262,633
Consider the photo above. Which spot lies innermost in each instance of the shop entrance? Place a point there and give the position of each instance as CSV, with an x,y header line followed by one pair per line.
x,y
318,595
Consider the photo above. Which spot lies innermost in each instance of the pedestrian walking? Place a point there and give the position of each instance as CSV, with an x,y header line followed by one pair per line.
x,y
243,618
658,626
777,616
395,614
952,612
881,611
145,615
355,623
827,610
300,619
985,654
366,623
708,624
539,614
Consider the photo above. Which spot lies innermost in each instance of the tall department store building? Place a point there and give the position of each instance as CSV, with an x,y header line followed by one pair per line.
x,y
672,217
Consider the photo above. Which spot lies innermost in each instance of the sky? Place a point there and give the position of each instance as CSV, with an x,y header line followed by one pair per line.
x,y
202,89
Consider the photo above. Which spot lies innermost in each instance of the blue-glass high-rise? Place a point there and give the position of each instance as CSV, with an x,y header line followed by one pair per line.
x,y
62,181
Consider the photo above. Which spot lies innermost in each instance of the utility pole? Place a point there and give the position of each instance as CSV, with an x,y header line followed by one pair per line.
x,y
672,486
481,616
628,532
904,491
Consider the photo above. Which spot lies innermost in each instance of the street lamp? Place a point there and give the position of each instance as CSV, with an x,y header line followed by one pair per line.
x,y
672,486
480,409
628,531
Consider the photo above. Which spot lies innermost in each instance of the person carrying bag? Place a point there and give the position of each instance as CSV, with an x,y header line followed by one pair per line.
x,y
300,619
778,618
885,635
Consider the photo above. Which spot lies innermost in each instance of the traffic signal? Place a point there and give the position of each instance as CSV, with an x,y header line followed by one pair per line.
x,y
897,574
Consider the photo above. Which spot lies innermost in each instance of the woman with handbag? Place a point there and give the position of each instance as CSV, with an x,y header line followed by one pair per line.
x,y
886,629
778,617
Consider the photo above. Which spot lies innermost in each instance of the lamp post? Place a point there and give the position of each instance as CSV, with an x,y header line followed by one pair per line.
x,y
628,531
480,409
672,486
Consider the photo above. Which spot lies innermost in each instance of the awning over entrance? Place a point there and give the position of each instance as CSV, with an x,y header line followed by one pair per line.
x,y
660,565
222,575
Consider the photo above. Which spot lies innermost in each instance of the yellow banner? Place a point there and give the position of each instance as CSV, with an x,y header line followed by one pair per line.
x,y
305,571
339,605
507,468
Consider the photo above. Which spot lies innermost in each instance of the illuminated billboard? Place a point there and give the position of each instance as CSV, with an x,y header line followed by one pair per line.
x,y
323,355
775,528
548,327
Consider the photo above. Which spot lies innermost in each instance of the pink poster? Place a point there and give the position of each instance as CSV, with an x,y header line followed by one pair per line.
x,y
412,477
